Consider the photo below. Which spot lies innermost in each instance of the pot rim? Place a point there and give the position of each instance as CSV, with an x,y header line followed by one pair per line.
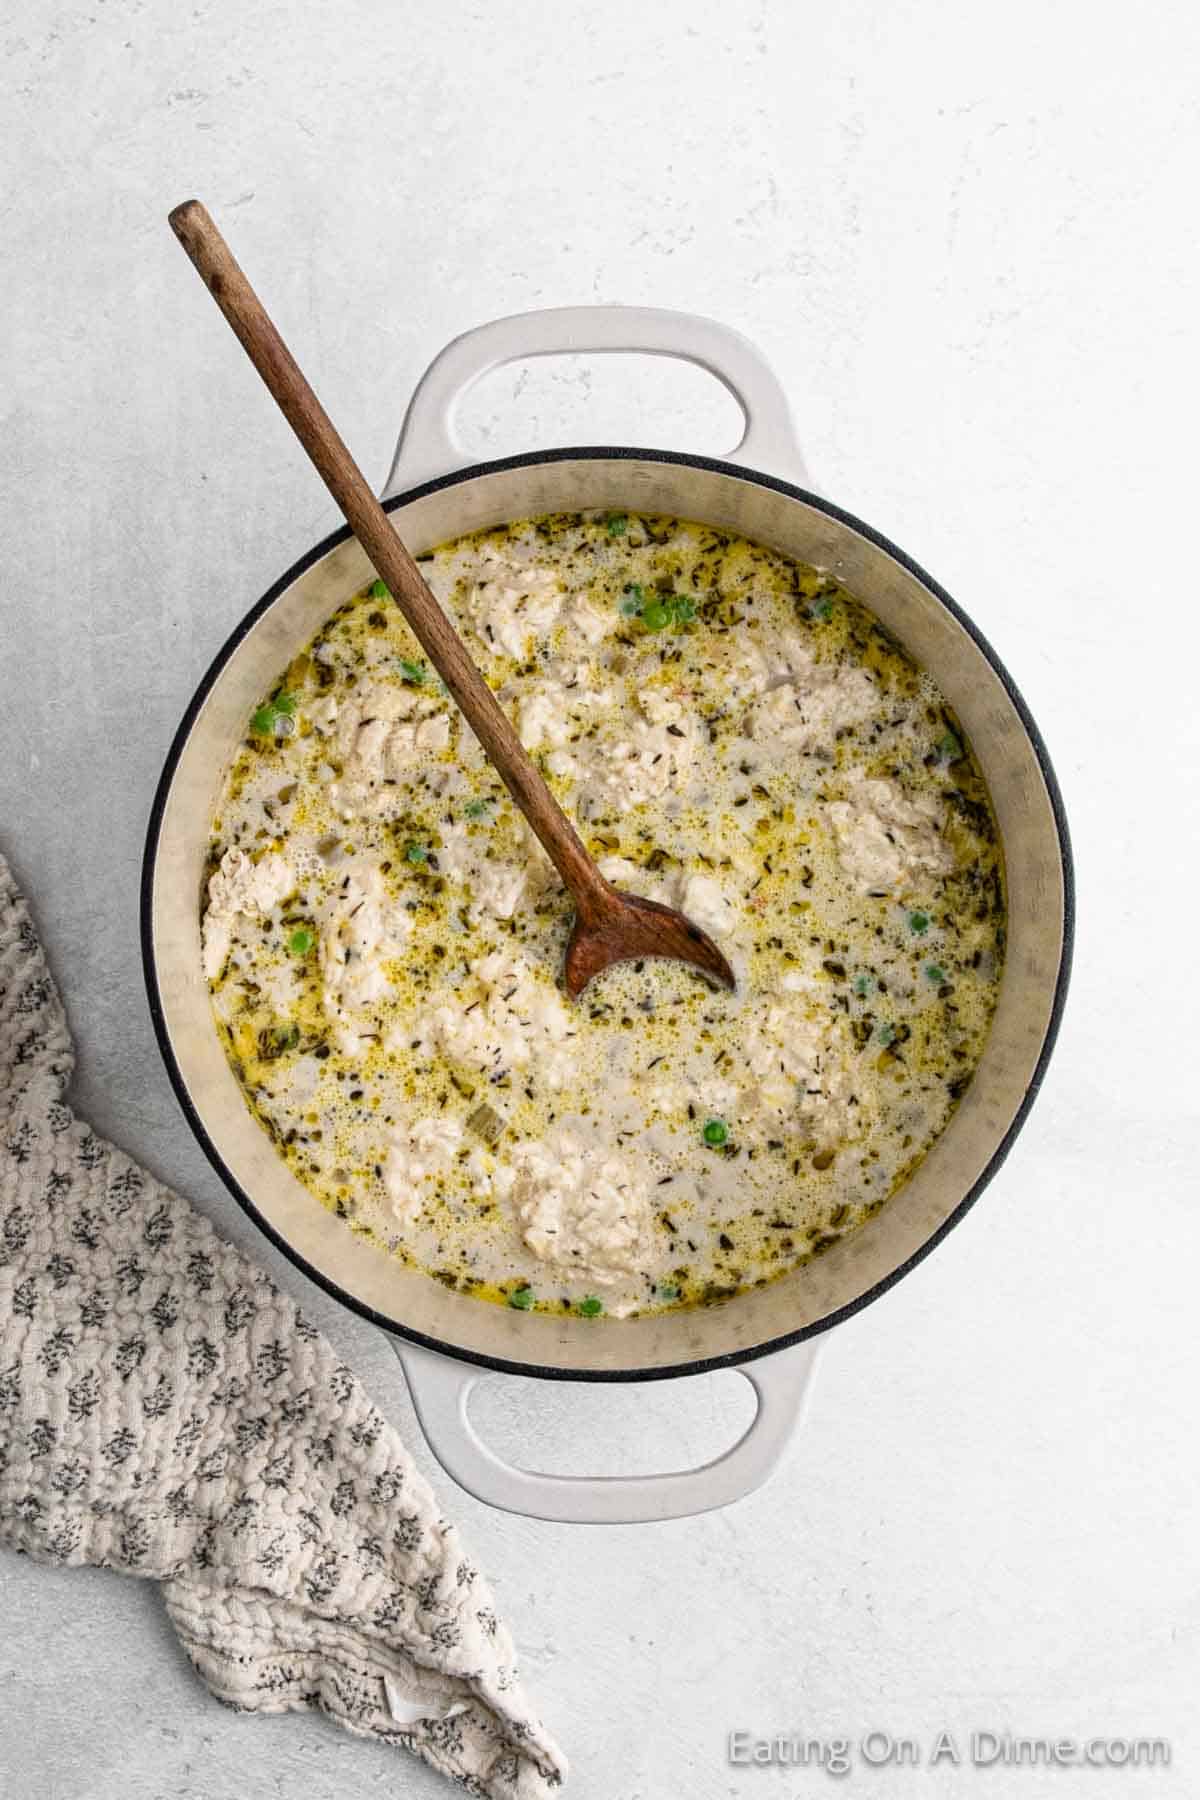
x,y
700,1365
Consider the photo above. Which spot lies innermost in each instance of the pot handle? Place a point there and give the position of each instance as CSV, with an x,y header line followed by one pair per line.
x,y
428,446
441,1389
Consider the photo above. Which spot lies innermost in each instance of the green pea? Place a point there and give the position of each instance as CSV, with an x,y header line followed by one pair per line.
x,y
413,671
263,721
522,1298
590,1307
416,853
685,609
918,922
949,747
301,941
935,973
379,590
618,524
715,1133
656,615
284,703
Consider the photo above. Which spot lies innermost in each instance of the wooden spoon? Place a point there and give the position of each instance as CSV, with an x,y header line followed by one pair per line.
x,y
610,926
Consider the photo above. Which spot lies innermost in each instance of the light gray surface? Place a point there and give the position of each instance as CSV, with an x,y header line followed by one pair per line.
x,y
962,236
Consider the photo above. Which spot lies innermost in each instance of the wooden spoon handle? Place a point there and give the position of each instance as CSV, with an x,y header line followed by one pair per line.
x,y
241,306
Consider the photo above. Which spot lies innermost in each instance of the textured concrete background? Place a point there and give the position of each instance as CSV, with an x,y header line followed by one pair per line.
x,y
964,237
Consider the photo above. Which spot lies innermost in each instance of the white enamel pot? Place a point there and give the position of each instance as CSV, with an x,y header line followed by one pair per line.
x,y
445,1340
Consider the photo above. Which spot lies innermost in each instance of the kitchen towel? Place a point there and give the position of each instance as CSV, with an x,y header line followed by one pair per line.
x,y
165,1410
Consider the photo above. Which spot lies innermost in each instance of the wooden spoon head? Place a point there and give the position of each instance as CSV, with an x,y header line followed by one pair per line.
x,y
627,928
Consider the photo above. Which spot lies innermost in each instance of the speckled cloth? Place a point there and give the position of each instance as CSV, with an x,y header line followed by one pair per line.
x,y
166,1411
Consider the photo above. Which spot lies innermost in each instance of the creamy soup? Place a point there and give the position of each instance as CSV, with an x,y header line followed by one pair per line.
x,y
734,734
